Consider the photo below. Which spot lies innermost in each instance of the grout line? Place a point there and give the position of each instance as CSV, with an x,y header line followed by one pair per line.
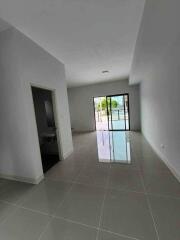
x,y
162,195
53,216
45,228
9,203
19,205
93,227
106,188
9,215
40,212
102,206
63,200
90,185
119,235
69,220
101,214
77,182
99,186
124,190
26,208
150,209
33,210
154,223
75,222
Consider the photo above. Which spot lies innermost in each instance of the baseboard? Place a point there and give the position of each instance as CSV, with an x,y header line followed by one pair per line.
x,y
67,154
82,131
164,159
22,179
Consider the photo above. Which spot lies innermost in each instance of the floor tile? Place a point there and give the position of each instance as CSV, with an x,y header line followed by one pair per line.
x,y
60,229
166,212
63,171
127,213
152,165
123,179
47,196
93,175
110,236
3,182
23,225
82,204
13,191
133,165
6,210
163,183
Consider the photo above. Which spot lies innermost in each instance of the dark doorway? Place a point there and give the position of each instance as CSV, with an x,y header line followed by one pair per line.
x,y
46,126
112,112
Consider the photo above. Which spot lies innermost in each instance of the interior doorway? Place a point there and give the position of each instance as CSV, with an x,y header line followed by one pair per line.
x,y
112,112
46,126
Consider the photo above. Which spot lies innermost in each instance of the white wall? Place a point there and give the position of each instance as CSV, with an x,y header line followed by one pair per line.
x,y
23,62
157,66
81,103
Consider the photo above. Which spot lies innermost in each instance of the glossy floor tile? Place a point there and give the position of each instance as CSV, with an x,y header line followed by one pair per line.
x,y
13,191
93,175
163,183
110,149
166,213
64,171
2,184
23,224
110,236
113,187
61,229
6,210
46,197
123,179
127,213
82,204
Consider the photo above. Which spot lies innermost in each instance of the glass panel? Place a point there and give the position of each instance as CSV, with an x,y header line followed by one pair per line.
x,y
108,103
101,113
117,110
126,111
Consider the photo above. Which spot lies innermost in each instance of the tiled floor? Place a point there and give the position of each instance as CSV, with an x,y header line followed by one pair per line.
x,y
118,191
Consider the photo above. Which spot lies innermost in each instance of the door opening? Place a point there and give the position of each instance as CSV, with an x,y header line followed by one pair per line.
x,y
46,126
112,112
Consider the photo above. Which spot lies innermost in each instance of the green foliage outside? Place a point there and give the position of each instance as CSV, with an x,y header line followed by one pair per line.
x,y
103,104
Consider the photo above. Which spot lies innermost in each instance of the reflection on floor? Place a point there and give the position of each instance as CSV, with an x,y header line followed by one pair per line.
x,y
113,146
82,198
117,124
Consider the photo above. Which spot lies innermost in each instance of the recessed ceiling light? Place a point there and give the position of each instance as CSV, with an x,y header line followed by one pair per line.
x,y
105,71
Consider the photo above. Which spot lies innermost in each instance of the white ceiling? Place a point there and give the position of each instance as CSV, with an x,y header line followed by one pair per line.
x,y
88,36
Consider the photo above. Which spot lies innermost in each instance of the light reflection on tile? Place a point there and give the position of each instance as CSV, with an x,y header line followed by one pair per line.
x,y
104,197
113,147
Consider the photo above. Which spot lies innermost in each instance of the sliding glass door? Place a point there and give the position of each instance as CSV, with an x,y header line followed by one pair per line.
x,y
118,112
112,112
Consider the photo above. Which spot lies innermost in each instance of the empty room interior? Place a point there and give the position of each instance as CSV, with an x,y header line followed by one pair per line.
x,y
90,120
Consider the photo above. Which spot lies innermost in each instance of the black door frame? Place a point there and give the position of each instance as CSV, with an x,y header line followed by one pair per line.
x,y
108,114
